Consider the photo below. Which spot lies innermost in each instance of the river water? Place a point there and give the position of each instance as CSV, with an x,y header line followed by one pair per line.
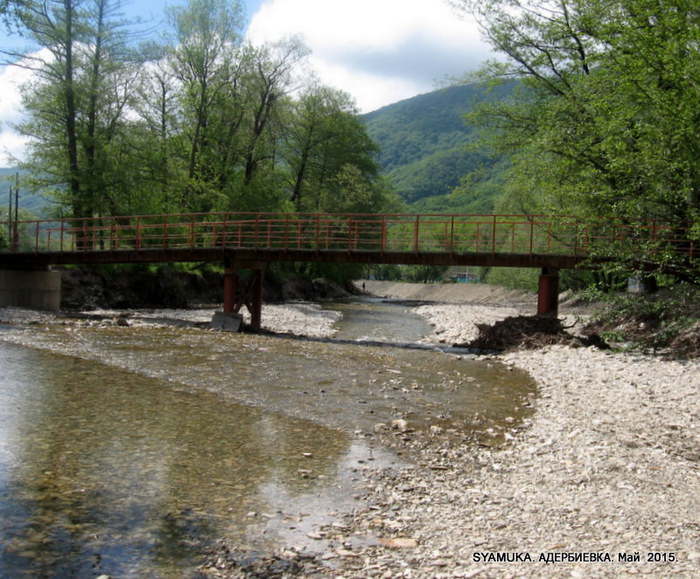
x,y
127,451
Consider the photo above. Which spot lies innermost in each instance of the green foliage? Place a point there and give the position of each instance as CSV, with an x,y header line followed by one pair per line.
x,y
423,273
605,123
667,320
336,272
436,174
200,123
426,149
528,279
383,271
330,156
514,278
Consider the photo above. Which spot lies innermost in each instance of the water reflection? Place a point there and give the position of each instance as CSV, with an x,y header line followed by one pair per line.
x,y
105,471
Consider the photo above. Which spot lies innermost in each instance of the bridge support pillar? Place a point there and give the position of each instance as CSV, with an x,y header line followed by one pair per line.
x,y
548,292
240,290
30,288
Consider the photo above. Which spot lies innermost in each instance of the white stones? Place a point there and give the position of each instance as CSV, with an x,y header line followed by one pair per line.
x,y
602,467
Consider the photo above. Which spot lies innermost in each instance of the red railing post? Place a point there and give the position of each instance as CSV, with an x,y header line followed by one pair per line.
x,y
416,234
318,231
256,236
493,236
382,236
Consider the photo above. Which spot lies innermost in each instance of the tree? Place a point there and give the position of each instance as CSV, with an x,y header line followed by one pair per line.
x,y
76,103
204,60
605,124
330,155
153,137
270,77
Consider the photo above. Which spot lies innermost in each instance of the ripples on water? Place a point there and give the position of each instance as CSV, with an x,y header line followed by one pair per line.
x,y
129,469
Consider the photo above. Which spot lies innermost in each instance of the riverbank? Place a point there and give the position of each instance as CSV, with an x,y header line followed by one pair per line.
x,y
604,480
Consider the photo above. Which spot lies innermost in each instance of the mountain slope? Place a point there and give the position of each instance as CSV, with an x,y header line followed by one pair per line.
x,y
424,140
30,204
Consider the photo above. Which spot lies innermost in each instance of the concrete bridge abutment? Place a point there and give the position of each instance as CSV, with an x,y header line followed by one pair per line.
x,y
36,289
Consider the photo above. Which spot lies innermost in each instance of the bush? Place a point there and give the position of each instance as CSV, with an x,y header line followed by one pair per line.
x,y
660,321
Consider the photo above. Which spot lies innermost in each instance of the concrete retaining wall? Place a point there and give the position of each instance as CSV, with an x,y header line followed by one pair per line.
x,y
36,290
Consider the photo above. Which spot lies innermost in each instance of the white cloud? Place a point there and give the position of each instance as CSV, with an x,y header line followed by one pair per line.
x,y
380,51
12,147
11,143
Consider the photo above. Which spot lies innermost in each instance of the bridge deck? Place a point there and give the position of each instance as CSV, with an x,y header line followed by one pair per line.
x,y
250,240
489,240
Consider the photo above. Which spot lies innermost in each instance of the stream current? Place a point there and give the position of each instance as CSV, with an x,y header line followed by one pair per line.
x,y
126,451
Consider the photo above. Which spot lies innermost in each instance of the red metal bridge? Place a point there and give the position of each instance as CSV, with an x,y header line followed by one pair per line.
x,y
251,240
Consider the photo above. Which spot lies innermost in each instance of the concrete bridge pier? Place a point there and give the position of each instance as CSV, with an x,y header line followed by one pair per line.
x,y
240,290
548,292
36,289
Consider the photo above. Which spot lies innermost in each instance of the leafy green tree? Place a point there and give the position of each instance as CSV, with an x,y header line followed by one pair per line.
x,y
76,103
331,158
270,75
605,123
155,146
204,57
324,136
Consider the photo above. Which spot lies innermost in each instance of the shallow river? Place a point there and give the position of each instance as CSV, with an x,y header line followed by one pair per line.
x,y
127,450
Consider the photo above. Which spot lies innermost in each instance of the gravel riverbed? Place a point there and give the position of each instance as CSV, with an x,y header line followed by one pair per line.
x,y
602,481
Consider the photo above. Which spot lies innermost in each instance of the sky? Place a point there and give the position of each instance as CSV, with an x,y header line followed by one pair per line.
x,y
379,51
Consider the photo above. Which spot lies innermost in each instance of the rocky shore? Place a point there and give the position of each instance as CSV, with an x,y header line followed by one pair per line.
x,y
602,481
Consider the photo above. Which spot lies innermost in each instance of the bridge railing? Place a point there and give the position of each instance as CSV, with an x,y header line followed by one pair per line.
x,y
513,234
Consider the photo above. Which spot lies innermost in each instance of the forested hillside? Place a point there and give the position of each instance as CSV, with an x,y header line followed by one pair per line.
x,y
425,149
31,204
